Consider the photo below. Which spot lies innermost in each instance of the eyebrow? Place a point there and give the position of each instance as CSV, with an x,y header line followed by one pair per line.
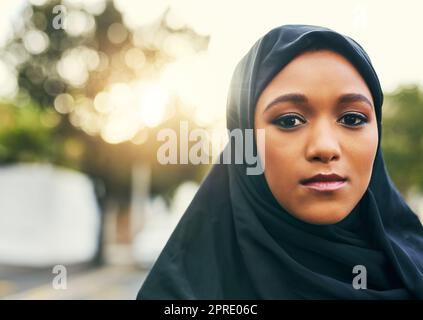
x,y
301,99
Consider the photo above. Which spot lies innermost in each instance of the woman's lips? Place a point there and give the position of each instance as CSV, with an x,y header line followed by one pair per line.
x,y
325,186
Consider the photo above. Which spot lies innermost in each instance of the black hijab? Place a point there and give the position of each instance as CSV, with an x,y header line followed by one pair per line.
x,y
236,242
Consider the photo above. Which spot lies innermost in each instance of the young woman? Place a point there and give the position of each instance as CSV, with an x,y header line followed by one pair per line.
x,y
324,220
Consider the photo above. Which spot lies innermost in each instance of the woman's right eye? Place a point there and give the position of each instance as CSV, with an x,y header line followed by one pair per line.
x,y
288,121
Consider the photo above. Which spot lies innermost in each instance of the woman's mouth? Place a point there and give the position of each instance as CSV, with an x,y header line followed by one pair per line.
x,y
325,182
325,185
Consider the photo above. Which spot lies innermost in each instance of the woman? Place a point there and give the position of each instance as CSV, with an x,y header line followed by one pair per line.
x,y
324,220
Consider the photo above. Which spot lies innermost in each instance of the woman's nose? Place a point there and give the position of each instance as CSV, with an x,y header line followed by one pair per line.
x,y
323,145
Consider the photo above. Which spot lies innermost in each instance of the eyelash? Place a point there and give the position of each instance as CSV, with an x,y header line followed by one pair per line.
x,y
363,120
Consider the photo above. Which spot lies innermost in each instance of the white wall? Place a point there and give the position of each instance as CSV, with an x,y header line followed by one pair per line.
x,y
48,216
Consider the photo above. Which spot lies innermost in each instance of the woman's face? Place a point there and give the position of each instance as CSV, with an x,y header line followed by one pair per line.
x,y
318,117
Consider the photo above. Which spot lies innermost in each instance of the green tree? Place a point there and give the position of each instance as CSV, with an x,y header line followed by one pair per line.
x,y
402,137
38,132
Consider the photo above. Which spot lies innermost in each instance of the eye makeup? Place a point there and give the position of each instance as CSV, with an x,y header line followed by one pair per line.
x,y
290,121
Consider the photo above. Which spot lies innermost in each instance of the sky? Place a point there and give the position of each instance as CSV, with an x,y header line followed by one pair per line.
x,y
390,31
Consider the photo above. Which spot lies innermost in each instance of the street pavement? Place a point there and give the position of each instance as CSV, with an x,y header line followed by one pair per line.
x,y
112,282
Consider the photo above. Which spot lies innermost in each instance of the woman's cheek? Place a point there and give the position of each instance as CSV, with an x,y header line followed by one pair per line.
x,y
279,157
362,151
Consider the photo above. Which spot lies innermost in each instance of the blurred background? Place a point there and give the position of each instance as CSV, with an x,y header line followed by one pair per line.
x,y
85,86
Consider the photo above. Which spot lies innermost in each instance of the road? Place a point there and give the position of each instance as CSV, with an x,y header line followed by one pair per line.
x,y
104,283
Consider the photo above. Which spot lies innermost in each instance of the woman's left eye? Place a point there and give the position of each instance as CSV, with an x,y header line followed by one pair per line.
x,y
354,119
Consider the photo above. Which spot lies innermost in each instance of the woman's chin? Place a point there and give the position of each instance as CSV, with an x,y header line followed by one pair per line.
x,y
323,217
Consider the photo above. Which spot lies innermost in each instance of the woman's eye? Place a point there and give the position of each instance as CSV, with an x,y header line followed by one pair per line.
x,y
292,121
354,119
289,121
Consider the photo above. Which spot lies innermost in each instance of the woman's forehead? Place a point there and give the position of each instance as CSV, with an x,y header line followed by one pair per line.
x,y
307,104
313,75
322,65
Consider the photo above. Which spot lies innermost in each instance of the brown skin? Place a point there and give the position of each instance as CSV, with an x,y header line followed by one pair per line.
x,y
320,136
